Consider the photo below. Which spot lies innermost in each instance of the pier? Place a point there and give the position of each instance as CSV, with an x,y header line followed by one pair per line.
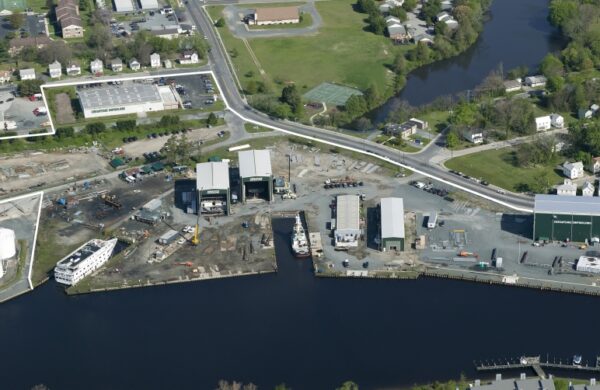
x,y
536,364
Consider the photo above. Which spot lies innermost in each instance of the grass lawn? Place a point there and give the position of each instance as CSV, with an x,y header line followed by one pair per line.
x,y
424,141
252,128
388,141
306,21
498,168
310,60
438,120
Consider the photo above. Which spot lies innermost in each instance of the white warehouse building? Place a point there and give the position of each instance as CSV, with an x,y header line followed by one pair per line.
x,y
8,248
347,222
212,184
111,100
83,261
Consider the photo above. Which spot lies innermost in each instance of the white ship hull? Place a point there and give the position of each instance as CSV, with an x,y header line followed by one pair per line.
x,y
70,272
300,246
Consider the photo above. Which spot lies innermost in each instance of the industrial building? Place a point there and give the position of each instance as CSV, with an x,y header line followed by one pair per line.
x,y
572,218
212,186
392,224
8,248
276,15
124,99
523,383
256,175
123,6
347,222
83,261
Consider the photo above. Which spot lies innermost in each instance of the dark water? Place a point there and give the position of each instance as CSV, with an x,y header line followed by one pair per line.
x,y
311,333
517,33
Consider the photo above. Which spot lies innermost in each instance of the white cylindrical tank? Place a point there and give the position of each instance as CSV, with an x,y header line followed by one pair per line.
x,y
7,244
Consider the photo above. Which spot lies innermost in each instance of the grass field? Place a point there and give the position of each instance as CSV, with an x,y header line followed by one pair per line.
x,y
331,94
252,128
438,120
498,167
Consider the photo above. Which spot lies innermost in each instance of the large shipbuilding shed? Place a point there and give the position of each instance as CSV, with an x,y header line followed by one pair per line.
x,y
213,188
392,224
560,218
256,175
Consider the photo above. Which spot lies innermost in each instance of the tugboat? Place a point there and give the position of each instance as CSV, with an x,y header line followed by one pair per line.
x,y
577,360
299,240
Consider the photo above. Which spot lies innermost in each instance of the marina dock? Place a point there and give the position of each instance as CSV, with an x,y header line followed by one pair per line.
x,y
536,364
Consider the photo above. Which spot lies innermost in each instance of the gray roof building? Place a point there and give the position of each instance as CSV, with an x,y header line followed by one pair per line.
x,y
212,176
574,205
118,95
255,163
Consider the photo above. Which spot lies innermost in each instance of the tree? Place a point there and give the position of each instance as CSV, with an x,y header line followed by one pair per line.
x,y
282,110
551,66
251,87
125,125
430,9
367,7
356,106
220,22
372,97
282,386
169,120
56,51
100,38
562,11
16,20
399,65
555,83
377,24
518,72
362,124
465,114
29,87
291,96
95,128
409,5
422,52
212,119
348,386
452,139
399,12
65,132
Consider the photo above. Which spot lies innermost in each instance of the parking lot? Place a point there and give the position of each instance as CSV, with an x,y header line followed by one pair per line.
x,y
18,113
196,92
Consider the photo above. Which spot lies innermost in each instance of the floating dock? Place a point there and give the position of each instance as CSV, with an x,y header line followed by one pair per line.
x,y
536,364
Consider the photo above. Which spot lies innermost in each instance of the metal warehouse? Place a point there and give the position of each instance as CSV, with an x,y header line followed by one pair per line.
x,y
347,221
256,175
573,218
113,100
392,224
212,184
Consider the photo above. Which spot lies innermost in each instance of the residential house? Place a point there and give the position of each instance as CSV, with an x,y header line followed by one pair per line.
x,y
451,23
557,121
391,20
155,60
443,16
588,189
67,15
27,74
421,124
55,70
512,85
17,44
134,64
167,64
123,6
543,123
573,170
568,188
389,4
535,81
446,5
116,65
73,69
594,166
473,135
398,33
423,38
5,76
584,113
594,107
189,57
97,67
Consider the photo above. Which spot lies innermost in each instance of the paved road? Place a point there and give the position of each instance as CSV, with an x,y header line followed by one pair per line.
x,y
418,163
240,29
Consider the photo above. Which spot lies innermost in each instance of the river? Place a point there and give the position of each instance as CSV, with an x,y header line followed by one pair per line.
x,y
517,33
311,333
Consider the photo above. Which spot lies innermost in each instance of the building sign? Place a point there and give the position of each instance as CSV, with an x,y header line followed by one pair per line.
x,y
212,192
574,222
255,179
108,110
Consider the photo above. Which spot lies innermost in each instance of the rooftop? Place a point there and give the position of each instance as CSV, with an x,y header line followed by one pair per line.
x,y
347,212
118,95
392,218
578,205
212,176
277,13
79,255
255,163
519,384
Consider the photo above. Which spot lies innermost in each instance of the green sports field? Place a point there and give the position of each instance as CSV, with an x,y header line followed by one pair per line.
x,y
13,4
331,94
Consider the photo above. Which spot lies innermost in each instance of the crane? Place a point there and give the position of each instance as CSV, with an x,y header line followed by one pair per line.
x,y
196,237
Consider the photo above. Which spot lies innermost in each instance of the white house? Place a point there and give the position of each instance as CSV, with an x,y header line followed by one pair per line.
x,y
573,170
97,66
73,69
594,166
392,20
155,60
557,121
189,57
116,65
512,85
588,189
167,64
543,123
535,81
27,74
5,76
134,64
568,188
474,136
55,70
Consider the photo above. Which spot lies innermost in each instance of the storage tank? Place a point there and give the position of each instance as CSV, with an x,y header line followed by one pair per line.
x,y
7,244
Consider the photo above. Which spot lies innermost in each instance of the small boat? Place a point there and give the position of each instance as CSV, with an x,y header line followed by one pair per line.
x,y
346,263
299,240
576,360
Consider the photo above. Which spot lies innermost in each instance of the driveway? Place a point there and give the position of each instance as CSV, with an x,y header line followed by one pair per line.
x,y
234,14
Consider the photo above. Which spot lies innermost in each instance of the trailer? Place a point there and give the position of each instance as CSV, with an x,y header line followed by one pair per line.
x,y
169,237
432,220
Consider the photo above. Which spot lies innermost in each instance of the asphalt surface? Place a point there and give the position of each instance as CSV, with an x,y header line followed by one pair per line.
x,y
418,163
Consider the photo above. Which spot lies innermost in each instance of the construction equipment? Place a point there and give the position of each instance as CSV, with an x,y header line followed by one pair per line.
x,y
468,254
111,200
196,237
186,263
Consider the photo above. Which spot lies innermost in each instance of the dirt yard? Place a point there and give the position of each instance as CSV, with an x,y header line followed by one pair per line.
x,y
64,110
